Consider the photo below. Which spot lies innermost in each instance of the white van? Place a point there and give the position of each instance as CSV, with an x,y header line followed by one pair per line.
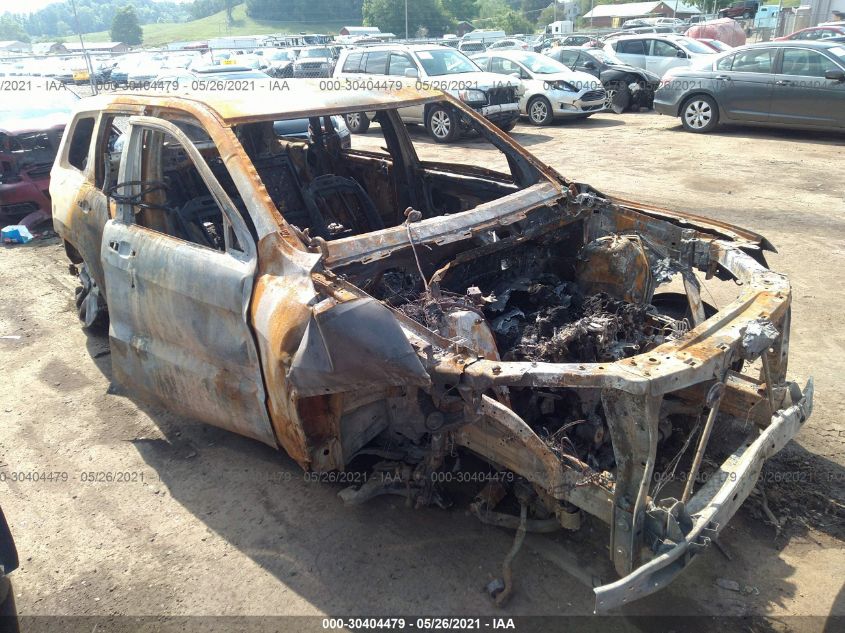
x,y
478,40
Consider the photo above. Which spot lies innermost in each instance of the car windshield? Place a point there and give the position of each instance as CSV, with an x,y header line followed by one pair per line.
x,y
694,46
542,65
315,52
280,56
438,62
720,45
604,57
838,52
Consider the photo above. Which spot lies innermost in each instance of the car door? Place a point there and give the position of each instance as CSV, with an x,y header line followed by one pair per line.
x,y
745,91
178,307
397,64
663,55
802,95
566,57
633,52
586,64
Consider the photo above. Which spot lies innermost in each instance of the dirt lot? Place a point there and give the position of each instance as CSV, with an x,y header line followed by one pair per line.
x,y
205,522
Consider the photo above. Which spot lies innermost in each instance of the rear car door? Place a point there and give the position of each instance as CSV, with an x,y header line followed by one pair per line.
x,y
75,213
746,89
801,94
397,63
179,263
633,52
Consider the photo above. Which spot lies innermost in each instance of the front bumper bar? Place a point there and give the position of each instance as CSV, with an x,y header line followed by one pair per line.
x,y
712,507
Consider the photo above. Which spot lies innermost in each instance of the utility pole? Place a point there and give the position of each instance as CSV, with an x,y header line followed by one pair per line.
x,y
88,63
406,20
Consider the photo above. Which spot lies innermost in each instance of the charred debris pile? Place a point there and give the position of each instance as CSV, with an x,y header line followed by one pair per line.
x,y
535,314
530,305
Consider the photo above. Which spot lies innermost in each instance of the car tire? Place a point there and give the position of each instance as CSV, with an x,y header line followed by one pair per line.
x,y
700,114
507,127
540,111
443,125
747,15
357,122
90,303
611,90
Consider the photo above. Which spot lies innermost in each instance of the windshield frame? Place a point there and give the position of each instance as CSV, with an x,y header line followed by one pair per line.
x,y
426,62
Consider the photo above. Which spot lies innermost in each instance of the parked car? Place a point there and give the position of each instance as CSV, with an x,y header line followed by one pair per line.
x,y
30,131
635,22
510,44
205,77
745,9
580,40
344,303
551,90
301,129
791,84
439,67
314,61
624,85
279,61
814,33
702,17
657,53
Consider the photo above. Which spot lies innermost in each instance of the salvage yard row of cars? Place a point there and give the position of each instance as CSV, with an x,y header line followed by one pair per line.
x,y
781,83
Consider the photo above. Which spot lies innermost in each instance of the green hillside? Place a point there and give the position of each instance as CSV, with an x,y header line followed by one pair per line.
x,y
215,26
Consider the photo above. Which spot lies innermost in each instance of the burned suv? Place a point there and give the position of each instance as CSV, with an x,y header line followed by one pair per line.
x,y
390,308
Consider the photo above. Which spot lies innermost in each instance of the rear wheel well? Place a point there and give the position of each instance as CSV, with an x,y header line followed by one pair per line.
x,y
71,252
692,96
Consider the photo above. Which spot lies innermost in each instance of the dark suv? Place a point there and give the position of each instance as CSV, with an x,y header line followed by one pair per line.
x,y
744,9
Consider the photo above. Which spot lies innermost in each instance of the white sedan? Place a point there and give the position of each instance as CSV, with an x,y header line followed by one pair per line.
x,y
550,89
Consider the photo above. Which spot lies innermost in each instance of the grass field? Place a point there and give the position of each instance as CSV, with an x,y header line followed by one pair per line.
x,y
216,26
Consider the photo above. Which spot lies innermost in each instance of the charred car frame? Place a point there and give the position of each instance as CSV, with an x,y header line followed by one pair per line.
x,y
347,304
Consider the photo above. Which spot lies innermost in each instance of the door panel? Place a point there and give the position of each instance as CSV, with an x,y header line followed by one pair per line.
x,y
178,310
746,92
802,96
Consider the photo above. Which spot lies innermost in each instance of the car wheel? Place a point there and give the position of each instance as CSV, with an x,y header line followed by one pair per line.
x,y
540,111
700,114
747,15
90,304
442,125
358,122
507,127
612,92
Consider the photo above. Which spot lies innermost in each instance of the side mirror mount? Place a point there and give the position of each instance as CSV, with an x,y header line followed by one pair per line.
x,y
835,75
412,73
681,54
590,65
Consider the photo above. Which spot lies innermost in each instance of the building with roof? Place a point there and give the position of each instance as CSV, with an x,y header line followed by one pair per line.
x,y
613,15
14,46
49,48
98,47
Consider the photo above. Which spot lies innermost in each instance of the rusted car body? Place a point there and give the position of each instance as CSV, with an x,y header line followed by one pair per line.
x,y
346,304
